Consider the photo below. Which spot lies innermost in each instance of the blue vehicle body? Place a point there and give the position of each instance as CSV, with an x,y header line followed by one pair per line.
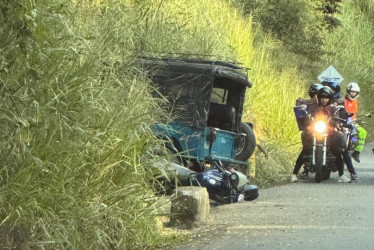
x,y
193,143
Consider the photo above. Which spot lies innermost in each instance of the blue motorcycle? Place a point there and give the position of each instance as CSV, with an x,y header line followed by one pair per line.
x,y
225,186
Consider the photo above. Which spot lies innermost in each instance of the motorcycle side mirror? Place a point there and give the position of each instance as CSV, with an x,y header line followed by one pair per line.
x,y
303,107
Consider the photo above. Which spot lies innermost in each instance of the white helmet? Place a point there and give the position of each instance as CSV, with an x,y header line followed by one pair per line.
x,y
353,86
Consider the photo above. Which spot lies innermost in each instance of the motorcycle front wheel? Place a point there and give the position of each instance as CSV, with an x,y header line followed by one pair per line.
x,y
318,168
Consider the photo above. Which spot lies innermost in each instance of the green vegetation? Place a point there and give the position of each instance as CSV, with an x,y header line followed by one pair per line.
x,y
347,46
75,117
76,110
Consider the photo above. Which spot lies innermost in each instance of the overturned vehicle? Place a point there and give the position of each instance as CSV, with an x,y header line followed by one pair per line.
x,y
206,101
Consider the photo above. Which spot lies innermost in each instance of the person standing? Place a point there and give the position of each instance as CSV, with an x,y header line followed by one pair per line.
x,y
339,101
313,89
351,105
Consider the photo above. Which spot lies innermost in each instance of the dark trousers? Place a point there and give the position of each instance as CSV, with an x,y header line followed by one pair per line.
x,y
335,141
299,161
348,161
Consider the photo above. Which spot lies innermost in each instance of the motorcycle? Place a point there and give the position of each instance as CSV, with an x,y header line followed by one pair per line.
x,y
321,161
351,132
223,186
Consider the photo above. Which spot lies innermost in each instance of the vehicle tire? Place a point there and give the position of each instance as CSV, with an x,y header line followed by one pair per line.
x,y
246,145
319,155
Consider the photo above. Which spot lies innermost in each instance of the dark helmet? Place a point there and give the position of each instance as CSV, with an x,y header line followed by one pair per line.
x,y
334,86
325,91
314,89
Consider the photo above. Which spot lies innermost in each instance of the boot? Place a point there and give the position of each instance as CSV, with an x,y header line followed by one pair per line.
x,y
356,156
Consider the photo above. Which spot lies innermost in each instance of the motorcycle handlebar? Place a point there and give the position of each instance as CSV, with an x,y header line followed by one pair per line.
x,y
219,165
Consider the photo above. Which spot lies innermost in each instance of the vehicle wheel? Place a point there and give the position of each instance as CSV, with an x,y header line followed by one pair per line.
x,y
246,145
318,175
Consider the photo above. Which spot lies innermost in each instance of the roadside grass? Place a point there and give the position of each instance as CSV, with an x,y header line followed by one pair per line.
x,y
275,124
75,116
277,169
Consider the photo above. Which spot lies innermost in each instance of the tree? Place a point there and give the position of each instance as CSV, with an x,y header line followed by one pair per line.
x,y
330,8
295,23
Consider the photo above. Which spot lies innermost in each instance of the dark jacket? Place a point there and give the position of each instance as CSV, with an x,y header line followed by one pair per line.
x,y
335,115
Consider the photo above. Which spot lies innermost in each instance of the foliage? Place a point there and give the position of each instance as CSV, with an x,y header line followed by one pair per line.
x,y
247,7
330,8
233,36
75,116
296,23
366,8
276,169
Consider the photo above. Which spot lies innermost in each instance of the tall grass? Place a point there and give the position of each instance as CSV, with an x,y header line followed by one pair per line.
x,y
366,7
270,105
75,117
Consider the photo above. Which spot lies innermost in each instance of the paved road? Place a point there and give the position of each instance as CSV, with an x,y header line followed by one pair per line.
x,y
302,215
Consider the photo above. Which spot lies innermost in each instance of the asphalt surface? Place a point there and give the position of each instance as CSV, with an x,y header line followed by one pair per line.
x,y
302,215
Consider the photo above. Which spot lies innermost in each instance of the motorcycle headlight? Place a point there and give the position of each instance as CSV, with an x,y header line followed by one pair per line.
x,y
234,179
233,176
320,127
212,181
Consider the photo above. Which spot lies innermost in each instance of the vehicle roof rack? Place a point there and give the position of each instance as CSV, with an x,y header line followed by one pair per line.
x,y
199,58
